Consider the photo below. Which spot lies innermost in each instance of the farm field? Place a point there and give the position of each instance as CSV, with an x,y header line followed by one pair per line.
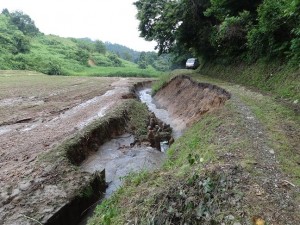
x,y
38,112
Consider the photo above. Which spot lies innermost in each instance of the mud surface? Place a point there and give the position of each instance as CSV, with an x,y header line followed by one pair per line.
x,y
28,188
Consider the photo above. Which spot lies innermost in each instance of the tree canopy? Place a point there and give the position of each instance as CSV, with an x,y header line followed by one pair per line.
x,y
227,29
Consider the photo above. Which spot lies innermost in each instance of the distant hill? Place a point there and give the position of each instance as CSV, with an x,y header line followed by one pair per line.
x,y
24,47
123,51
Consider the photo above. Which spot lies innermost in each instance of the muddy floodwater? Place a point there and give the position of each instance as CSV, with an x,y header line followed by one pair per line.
x,y
119,159
160,112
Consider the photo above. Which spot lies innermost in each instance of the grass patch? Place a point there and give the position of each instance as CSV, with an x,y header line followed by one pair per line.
x,y
282,127
281,80
126,71
282,123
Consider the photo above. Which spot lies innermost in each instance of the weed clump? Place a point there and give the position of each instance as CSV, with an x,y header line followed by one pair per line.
x,y
211,198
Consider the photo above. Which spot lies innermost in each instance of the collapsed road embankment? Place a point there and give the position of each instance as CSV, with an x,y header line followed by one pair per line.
x,y
187,100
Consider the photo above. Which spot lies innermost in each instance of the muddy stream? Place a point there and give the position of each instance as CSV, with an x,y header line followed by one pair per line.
x,y
119,159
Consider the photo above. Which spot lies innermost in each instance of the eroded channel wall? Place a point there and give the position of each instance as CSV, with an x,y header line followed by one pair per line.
x,y
187,100
86,142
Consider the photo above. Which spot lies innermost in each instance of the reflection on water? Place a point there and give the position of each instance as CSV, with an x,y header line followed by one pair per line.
x,y
119,159
160,113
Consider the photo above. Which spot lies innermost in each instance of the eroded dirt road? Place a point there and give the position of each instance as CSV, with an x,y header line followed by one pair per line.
x,y
34,124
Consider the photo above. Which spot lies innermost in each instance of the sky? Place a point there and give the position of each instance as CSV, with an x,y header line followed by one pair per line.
x,y
106,20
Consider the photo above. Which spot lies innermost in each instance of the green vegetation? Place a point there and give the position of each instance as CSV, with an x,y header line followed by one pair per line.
x,y
235,30
283,81
281,123
23,47
129,70
143,59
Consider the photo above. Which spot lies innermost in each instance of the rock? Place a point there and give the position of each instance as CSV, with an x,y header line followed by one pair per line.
x,y
296,101
171,141
272,151
4,198
150,137
24,186
15,192
16,200
230,217
157,141
152,123
237,223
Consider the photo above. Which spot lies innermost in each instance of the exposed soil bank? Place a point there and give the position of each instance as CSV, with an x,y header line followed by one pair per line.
x,y
72,212
86,143
187,100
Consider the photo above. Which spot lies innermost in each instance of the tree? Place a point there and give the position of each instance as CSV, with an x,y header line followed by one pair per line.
x,y
127,56
176,23
24,23
115,60
21,44
5,12
159,20
229,30
272,36
142,62
100,47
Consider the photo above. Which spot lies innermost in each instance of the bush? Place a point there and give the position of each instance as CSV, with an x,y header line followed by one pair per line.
x,y
115,60
53,68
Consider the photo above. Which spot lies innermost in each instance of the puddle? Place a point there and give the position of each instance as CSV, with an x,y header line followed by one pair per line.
x,y
4,129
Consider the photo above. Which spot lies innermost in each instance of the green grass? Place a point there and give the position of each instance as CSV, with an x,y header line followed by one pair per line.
x,y
129,70
282,124
272,77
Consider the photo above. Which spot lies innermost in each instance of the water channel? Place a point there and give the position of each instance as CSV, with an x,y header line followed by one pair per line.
x,y
119,159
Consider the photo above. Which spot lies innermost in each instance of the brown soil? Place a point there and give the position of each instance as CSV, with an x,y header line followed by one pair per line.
x,y
29,185
187,100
